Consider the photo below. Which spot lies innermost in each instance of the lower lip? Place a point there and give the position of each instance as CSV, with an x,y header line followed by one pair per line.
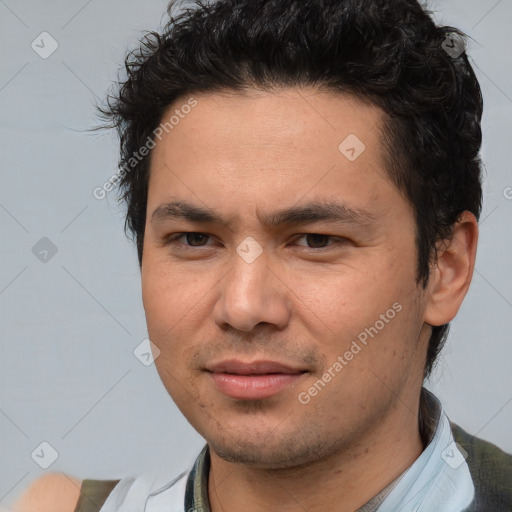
x,y
253,387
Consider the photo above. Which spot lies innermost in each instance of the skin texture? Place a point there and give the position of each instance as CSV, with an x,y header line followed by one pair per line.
x,y
245,156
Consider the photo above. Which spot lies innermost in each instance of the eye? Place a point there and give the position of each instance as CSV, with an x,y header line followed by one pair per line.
x,y
192,239
319,241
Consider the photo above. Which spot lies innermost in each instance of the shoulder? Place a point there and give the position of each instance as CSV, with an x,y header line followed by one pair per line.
x,y
490,468
53,492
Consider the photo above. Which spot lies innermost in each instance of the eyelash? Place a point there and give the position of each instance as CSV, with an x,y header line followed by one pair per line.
x,y
173,240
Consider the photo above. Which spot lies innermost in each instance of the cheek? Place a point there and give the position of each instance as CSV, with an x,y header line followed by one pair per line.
x,y
378,309
346,300
157,298
167,294
175,305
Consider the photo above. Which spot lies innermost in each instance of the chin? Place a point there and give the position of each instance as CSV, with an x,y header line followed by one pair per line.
x,y
272,450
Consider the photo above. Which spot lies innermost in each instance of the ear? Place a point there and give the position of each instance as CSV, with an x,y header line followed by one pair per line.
x,y
451,275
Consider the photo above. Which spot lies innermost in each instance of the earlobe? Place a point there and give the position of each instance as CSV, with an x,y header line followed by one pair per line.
x,y
451,276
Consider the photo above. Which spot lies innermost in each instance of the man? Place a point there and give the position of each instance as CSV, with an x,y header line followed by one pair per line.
x,y
303,183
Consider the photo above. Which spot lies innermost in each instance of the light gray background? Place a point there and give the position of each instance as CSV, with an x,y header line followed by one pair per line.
x,y
70,325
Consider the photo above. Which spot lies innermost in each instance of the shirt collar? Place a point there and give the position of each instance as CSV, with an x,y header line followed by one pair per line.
x,y
196,493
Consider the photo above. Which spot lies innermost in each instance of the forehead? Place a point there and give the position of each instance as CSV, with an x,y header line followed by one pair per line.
x,y
270,147
282,116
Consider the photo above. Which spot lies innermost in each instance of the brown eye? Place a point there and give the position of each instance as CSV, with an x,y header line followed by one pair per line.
x,y
192,239
319,242
314,240
195,239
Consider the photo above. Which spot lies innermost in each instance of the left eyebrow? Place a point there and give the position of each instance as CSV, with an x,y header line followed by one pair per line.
x,y
330,212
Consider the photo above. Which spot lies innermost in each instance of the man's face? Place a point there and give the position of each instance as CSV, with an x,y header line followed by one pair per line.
x,y
298,297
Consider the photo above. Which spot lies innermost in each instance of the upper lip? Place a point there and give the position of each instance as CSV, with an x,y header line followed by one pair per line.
x,y
260,367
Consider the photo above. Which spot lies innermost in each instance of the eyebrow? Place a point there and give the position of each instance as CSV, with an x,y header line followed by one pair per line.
x,y
330,212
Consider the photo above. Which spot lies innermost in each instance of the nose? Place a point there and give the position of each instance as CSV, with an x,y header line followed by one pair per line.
x,y
250,294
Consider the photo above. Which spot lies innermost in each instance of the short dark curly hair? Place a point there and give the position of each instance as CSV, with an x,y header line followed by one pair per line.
x,y
388,52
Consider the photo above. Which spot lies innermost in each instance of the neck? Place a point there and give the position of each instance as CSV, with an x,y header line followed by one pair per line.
x,y
349,477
